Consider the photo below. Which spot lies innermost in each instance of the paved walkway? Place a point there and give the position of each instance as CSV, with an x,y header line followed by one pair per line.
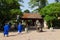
x,y
33,35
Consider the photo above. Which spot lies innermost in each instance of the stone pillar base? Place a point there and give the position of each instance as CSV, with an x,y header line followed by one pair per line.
x,y
45,27
26,29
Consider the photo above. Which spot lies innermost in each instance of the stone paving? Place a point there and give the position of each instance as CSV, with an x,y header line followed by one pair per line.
x,y
33,35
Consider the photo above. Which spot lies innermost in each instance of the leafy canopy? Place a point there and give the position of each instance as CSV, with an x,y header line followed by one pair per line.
x,y
26,11
8,8
52,10
37,3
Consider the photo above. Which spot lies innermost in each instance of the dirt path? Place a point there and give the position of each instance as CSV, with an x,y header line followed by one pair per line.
x,y
33,35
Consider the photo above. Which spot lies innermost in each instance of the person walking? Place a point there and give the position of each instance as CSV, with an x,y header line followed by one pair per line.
x,y
20,27
6,29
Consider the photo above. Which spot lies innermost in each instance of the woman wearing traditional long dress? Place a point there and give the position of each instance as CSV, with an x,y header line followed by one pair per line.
x,y
6,29
20,27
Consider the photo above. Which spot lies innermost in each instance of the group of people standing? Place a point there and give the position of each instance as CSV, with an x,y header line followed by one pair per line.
x,y
20,27
7,27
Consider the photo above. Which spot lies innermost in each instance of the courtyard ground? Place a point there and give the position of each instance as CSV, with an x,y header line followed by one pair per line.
x,y
33,35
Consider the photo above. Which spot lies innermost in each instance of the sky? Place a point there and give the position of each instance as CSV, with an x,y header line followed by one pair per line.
x,y
26,5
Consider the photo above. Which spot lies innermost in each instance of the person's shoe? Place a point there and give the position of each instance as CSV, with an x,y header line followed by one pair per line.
x,y
5,35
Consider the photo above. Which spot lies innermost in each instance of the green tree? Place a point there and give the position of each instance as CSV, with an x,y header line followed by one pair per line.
x,y
51,12
26,11
39,3
15,12
57,0
9,8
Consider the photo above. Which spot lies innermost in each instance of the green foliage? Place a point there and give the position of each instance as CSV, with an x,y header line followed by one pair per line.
x,y
51,12
15,11
49,18
51,9
8,8
57,0
27,11
39,3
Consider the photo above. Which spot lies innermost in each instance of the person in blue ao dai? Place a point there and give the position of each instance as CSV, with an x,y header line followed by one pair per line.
x,y
20,27
6,30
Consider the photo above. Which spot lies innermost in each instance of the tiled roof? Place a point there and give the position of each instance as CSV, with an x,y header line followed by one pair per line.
x,y
31,15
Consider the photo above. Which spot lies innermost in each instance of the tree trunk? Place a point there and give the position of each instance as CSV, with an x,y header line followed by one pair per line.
x,y
51,28
51,23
